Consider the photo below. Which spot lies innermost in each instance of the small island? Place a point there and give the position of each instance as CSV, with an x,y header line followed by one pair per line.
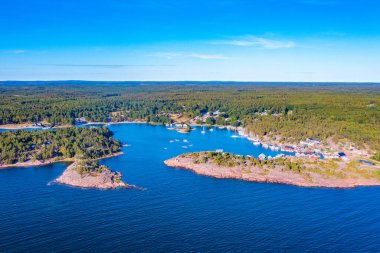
x,y
296,171
89,174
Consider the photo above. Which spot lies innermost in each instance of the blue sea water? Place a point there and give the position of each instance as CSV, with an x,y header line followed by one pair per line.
x,y
180,211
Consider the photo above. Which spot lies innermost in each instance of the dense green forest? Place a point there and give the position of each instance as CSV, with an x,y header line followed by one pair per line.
x,y
232,160
22,145
293,111
88,166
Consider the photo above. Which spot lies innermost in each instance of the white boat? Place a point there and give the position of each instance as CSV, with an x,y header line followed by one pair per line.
x,y
185,140
256,143
203,132
262,156
234,136
211,129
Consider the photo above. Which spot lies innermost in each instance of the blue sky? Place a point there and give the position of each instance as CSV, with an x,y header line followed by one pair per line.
x,y
240,40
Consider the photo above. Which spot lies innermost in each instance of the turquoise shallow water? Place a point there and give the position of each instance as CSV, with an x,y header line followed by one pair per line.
x,y
180,211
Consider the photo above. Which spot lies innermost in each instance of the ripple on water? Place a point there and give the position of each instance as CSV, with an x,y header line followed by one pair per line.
x,y
180,210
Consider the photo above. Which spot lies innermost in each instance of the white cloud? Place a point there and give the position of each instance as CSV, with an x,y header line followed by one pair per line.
x,y
249,41
15,51
209,56
171,55
18,51
167,55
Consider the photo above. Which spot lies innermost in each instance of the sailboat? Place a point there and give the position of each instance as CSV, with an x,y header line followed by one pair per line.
x,y
235,134
171,127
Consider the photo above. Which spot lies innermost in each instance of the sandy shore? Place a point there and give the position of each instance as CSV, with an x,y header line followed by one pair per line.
x,y
18,126
269,175
32,163
28,126
127,122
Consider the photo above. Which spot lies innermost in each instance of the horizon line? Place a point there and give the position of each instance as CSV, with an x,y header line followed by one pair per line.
x,y
195,81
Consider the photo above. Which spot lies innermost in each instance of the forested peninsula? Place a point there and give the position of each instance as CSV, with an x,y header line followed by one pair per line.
x,y
81,146
55,145
288,170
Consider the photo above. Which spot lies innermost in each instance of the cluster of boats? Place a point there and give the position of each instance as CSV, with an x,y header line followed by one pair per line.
x,y
263,156
304,150
184,141
297,150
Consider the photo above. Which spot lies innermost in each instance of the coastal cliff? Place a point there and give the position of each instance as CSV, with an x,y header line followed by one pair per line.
x,y
282,171
91,175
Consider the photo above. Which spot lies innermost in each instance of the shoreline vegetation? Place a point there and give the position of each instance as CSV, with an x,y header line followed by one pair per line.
x,y
33,126
343,117
291,170
31,163
89,174
67,143
309,147
80,146
325,122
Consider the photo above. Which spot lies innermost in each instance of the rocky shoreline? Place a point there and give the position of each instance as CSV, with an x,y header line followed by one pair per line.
x,y
103,178
50,161
31,163
269,174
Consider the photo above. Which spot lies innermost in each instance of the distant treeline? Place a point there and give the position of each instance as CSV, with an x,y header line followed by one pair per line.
x,y
293,111
23,145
